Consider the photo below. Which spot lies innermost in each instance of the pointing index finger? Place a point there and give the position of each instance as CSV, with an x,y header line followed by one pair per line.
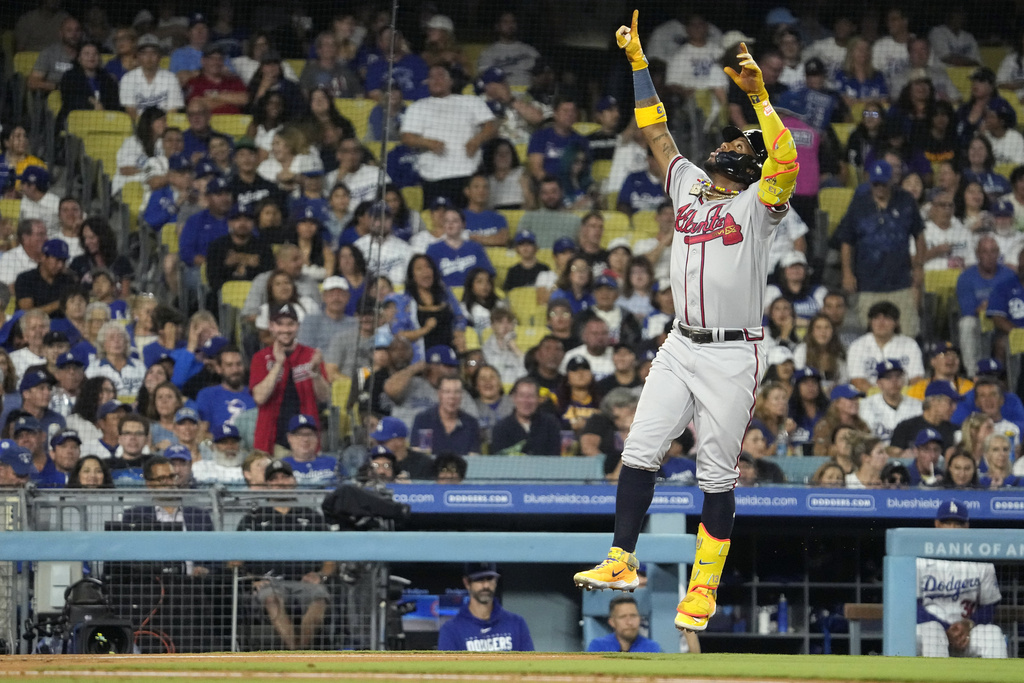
x,y
636,14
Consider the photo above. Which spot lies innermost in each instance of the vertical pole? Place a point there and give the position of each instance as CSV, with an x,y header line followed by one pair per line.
x,y
899,595
234,609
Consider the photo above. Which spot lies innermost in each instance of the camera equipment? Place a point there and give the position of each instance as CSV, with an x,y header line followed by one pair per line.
x,y
90,626
363,509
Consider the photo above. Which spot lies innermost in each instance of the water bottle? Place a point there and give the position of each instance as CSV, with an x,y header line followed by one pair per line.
x,y
764,620
782,444
783,615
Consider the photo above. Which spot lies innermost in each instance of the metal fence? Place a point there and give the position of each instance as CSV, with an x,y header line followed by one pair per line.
x,y
184,605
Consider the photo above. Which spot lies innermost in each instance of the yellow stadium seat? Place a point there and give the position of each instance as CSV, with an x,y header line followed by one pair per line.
x,y
474,340
512,216
341,389
645,225
54,102
528,336
165,63
833,201
131,196
169,238
103,147
941,282
1017,340
471,55
1005,170
961,77
10,209
585,128
235,125
297,65
521,152
616,224
234,292
178,119
843,132
502,259
600,170
24,61
547,257
457,292
413,197
357,111
83,123
992,56
523,301
857,111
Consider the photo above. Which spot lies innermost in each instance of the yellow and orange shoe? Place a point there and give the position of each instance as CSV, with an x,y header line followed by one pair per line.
x,y
617,572
699,605
696,609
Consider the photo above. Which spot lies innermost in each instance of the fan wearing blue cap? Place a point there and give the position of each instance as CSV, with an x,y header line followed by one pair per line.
x,y
925,470
312,469
641,190
392,434
36,389
165,202
870,266
517,114
224,464
201,229
37,202
527,270
887,408
311,205
395,253
187,59
16,466
959,622
940,399
1012,408
239,255
45,285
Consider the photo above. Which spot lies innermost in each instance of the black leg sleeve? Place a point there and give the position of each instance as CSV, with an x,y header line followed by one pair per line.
x,y
632,498
719,513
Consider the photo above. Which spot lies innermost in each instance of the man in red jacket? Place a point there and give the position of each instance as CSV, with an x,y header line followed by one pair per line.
x,y
286,379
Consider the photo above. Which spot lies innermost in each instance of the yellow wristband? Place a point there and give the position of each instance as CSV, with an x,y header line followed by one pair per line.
x,y
639,63
648,116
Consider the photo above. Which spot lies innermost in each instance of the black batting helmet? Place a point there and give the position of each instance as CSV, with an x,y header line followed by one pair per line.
x,y
742,168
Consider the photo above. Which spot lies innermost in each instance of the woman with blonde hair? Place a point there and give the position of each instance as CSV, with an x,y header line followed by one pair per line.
x,y
289,157
869,457
997,458
771,416
974,432
859,80
114,361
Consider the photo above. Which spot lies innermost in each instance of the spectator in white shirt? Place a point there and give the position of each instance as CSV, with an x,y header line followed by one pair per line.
x,y
883,341
667,38
886,409
595,349
357,171
919,59
69,226
113,360
386,254
948,242
1007,142
513,56
32,235
37,202
952,44
889,54
290,156
832,50
148,85
35,323
448,131
695,66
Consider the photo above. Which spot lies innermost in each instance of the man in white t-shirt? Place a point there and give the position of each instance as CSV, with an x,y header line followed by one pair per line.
x,y
668,37
695,66
448,130
148,85
883,342
385,254
889,54
952,44
37,202
832,50
1007,142
34,326
509,54
69,225
25,256
595,349
886,409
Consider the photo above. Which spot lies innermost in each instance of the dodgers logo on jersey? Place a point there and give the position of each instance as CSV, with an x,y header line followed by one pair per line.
x,y
712,227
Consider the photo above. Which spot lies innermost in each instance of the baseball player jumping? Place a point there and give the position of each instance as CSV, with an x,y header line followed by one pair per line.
x,y
709,367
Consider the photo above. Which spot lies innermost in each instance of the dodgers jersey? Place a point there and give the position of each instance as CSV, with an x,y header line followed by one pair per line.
x,y
951,590
720,253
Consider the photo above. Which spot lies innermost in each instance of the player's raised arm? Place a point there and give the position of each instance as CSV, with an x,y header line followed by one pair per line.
x,y
650,112
778,176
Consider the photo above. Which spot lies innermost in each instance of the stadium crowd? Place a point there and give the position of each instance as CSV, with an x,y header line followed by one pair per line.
x,y
497,281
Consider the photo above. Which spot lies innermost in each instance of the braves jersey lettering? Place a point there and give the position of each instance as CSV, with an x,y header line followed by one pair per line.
x,y
711,227
491,644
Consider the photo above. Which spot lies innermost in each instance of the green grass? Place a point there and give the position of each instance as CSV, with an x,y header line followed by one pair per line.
x,y
747,666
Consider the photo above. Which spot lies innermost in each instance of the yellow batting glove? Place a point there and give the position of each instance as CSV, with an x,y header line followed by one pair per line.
x,y
628,39
749,80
